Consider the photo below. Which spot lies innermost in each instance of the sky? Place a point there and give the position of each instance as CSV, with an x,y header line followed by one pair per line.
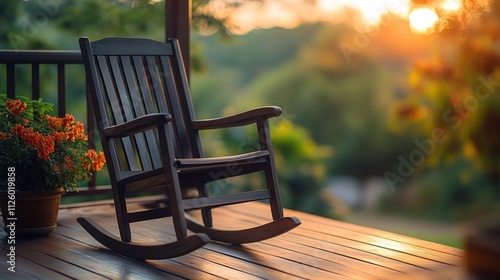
x,y
252,15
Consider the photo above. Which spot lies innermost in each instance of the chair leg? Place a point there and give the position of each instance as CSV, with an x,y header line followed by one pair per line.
x,y
273,186
206,213
121,215
173,188
270,170
175,198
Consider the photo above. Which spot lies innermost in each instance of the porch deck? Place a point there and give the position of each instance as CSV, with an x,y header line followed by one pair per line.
x,y
318,249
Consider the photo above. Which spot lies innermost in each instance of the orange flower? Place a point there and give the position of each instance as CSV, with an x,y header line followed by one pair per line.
x,y
18,130
54,122
15,107
94,160
69,166
76,131
5,137
68,121
60,136
44,144
45,147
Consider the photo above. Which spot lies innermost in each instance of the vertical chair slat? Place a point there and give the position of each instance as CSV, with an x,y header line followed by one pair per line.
x,y
142,84
143,101
180,126
116,109
145,86
117,71
155,88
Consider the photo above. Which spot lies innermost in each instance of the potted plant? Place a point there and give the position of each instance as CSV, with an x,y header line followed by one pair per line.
x,y
41,156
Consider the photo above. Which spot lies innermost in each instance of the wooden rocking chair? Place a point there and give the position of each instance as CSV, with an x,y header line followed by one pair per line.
x,y
150,137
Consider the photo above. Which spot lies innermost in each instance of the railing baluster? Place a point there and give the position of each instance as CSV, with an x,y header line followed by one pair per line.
x,y
35,81
11,80
61,90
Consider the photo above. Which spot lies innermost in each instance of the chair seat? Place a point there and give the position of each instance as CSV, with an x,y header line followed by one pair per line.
x,y
203,170
188,164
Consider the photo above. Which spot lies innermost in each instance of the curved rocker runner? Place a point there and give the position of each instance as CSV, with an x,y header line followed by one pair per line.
x,y
250,235
141,251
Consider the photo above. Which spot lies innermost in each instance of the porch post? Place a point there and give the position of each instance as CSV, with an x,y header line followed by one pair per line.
x,y
178,25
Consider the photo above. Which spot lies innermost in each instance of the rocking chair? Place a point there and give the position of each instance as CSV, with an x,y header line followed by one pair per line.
x,y
140,93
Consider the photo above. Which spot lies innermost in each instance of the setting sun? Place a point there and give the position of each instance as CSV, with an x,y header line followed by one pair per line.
x,y
423,20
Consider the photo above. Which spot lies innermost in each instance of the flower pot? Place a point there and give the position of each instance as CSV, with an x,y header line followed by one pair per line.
x,y
33,214
482,250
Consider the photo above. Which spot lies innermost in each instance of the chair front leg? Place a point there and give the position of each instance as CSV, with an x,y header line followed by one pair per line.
x,y
206,213
122,214
270,170
173,189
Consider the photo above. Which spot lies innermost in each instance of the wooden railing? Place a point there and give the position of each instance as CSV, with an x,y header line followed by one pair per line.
x,y
11,59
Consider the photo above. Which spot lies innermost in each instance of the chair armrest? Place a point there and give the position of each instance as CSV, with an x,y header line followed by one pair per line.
x,y
244,118
137,125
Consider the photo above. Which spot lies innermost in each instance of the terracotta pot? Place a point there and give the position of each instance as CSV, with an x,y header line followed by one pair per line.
x,y
35,213
482,251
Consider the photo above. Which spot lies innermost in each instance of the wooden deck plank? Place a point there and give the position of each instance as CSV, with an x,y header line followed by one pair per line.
x,y
355,262
156,233
171,270
318,249
270,249
261,210
355,244
27,269
61,266
184,266
402,252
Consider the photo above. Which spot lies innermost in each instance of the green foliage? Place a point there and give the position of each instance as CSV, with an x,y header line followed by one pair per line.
x,y
460,193
302,170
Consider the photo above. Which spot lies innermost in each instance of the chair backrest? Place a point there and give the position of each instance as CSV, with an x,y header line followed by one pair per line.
x,y
132,77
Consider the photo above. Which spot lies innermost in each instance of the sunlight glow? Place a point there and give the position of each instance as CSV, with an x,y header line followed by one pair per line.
x,y
400,8
393,248
328,5
423,20
451,5
249,15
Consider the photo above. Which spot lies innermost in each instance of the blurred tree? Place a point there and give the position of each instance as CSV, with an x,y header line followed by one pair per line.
x,y
456,93
343,103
